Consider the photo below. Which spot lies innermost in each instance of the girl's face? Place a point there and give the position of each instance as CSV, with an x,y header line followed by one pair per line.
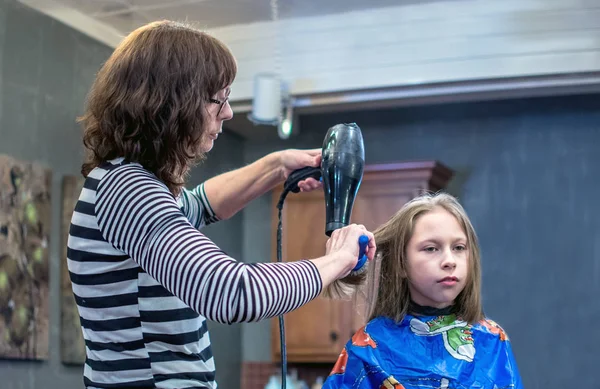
x,y
437,258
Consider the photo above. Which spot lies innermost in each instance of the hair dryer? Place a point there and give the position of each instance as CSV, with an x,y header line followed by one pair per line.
x,y
342,166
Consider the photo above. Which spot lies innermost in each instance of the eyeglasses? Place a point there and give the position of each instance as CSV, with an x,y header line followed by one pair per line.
x,y
220,102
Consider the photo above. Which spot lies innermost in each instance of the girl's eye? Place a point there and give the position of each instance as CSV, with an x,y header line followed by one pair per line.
x,y
461,248
430,249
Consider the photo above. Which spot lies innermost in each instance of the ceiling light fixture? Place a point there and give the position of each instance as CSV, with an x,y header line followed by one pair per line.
x,y
272,104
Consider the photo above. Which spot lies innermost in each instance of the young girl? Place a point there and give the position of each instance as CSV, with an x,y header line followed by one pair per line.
x,y
426,326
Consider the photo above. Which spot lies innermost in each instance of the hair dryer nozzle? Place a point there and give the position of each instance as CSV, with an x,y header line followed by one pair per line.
x,y
342,165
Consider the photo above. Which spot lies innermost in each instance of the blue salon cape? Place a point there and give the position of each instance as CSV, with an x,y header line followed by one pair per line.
x,y
426,352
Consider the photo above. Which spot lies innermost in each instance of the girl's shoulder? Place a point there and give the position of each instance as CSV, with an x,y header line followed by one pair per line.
x,y
490,327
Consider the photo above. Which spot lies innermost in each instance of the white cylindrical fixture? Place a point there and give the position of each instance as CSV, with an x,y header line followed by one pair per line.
x,y
266,104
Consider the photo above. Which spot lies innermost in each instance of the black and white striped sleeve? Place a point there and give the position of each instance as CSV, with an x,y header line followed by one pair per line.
x,y
197,208
137,215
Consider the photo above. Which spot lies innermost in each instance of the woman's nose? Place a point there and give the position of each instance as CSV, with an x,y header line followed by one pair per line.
x,y
226,112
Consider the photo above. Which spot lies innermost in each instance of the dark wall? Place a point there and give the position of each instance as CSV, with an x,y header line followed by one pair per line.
x,y
526,172
46,69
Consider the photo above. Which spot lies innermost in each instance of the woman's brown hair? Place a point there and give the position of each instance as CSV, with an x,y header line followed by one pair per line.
x,y
148,102
387,291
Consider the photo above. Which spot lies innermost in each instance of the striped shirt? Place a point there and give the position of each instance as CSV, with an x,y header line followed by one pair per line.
x,y
146,280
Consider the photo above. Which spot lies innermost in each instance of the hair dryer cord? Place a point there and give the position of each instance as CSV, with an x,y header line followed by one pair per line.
x,y
281,324
291,185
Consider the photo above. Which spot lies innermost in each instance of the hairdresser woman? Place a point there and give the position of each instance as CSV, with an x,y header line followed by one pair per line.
x,y
145,279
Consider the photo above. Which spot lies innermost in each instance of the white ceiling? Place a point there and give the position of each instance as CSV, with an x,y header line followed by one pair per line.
x,y
126,15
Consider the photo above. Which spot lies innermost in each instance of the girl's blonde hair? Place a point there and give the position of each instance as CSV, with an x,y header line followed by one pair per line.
x,y
387,291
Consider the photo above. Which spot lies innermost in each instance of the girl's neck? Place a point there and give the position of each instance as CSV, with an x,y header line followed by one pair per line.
x,y
420,310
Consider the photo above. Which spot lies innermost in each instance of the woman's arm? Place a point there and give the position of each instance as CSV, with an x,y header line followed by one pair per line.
x,y
196,207
139,217
228,193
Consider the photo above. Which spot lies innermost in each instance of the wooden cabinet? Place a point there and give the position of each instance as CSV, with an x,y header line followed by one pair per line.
x,y
318,331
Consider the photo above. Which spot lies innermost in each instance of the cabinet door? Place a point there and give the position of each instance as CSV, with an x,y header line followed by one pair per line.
x,y
314,332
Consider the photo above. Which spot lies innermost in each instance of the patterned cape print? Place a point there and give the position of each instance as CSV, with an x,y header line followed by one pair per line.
x,y
426,352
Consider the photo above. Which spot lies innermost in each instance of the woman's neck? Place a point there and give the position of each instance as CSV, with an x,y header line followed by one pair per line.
x,y
421,310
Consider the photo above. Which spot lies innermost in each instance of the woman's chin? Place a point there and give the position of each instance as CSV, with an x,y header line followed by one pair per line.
x,y
207,145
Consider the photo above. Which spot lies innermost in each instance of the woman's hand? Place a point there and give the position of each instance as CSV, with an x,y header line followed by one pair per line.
x,y
342,253
293,159
343,244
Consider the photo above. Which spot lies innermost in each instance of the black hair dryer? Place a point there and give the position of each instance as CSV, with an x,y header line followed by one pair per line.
x,y
342,166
